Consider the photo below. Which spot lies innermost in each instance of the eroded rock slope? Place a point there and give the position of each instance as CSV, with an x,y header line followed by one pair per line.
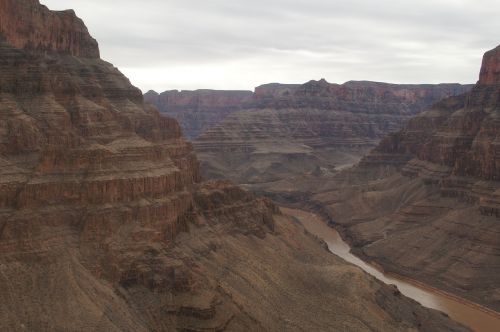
x,y
425,203
291,130
104,225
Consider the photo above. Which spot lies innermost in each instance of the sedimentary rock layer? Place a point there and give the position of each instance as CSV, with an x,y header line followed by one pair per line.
x,y
425,203
198,110
29,25
490,69
291,130
104,225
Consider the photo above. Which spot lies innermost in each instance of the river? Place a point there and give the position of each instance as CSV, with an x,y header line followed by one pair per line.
x,y
460,310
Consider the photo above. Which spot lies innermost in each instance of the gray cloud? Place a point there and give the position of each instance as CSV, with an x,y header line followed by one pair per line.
x,y
233,44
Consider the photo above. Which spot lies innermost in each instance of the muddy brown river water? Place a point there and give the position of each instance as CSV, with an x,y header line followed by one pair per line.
x,y
461,310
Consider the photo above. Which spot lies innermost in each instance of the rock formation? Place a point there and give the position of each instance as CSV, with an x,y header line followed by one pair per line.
x,y
104,225
356,96
290,130
425,202
30,26
490,69
198,110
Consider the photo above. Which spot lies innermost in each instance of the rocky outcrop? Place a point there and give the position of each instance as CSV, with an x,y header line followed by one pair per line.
x,y
490,69
29,25
292,130
425,202
105,226
198,110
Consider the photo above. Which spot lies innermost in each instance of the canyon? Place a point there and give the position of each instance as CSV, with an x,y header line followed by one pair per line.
x,y
106,224
424,203
407,174
316,127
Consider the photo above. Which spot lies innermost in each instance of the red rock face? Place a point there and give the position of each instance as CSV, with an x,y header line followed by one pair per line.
x,y
95,190
26,24
198,110
460,132
433,186
93,179
79,148
490,69
356,96
290,130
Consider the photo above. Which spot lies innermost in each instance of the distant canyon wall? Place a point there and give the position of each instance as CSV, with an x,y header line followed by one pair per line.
x,y
199,110
288,130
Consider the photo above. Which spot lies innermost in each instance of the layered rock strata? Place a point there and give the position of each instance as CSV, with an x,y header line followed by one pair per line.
x,y
35,28
425,203
298,129
104,225
198,110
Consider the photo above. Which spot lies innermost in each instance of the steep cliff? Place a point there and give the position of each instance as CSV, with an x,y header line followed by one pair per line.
x,y
31,26
198,110
490,69
425,203
291,130
356,96
104,225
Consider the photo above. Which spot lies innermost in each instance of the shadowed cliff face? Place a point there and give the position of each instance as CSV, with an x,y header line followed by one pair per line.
x,y
425,202
105,226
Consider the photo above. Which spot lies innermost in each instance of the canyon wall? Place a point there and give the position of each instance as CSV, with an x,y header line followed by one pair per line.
x,y
490,69
198,110
356,96
34,27
425,203
291,130
105,225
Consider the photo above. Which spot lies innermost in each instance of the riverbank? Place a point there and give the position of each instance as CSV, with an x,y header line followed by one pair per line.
x,y
474,315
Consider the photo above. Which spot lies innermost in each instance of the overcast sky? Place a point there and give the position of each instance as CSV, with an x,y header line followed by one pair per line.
x,y
236,44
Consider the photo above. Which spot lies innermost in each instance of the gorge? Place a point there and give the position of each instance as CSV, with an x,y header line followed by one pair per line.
x,y
425,197
421,205
282,130
106,224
